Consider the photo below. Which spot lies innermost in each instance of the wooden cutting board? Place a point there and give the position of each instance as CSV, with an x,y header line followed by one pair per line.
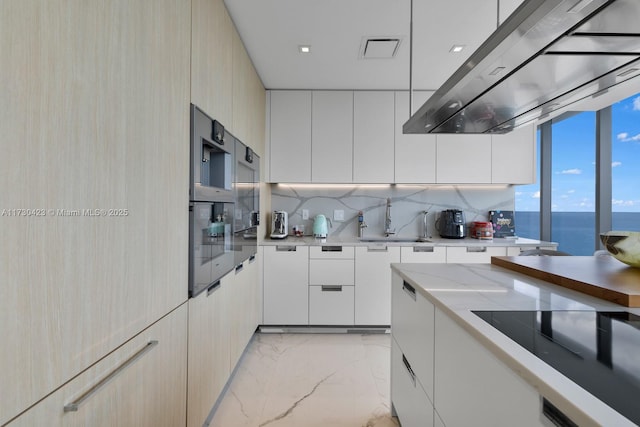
x,y
601,277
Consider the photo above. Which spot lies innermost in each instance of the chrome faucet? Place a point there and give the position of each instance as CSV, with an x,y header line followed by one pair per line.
x,y
425,228
387,220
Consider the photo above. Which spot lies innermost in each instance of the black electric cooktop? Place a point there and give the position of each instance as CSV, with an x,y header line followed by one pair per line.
x,y
600,351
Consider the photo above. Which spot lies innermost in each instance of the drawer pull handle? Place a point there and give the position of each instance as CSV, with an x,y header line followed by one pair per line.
x,y
409,370
211,289
332,249
73,407
239,268
476,249
423,249
281,248
377,249
331,288
410,290
252,258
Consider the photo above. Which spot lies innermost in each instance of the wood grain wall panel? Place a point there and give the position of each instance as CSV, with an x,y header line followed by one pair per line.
x,y
95,115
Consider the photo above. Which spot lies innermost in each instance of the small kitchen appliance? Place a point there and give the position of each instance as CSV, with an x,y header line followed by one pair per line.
x,y
320,226
279,224
451,224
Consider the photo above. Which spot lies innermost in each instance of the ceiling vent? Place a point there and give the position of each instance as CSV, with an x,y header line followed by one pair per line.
x,y
379,47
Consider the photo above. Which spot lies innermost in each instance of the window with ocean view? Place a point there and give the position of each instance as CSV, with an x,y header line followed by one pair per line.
x,y
625,165
573,180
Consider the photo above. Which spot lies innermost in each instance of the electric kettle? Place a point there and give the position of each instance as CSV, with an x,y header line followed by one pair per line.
x,y
320,226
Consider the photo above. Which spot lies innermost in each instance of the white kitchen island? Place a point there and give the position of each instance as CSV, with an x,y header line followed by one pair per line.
x,y
451,368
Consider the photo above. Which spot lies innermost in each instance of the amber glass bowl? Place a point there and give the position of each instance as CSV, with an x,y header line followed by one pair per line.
x,y
623,245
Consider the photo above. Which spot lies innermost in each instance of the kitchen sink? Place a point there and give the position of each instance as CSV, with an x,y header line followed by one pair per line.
x,y
394,240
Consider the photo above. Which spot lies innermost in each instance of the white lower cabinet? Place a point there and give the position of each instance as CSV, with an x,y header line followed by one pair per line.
x,y
331,305
286,285
144,383
474,254
413,407
373,278
331,280
468,376
431,254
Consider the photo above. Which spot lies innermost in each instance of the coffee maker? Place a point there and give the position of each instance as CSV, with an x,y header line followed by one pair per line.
x,y
279,224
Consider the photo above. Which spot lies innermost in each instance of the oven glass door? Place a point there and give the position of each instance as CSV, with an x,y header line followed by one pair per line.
x,y
211,252
247,198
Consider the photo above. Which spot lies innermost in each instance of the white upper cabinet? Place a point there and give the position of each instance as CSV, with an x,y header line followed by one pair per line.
x,y
373,137
463,159
514,156
415,154
332,136
290,136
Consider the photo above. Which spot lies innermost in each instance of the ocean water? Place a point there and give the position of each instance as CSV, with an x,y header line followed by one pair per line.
x,y
575,232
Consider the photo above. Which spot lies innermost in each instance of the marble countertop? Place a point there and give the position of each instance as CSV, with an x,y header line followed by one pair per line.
x,y
456,289
408,241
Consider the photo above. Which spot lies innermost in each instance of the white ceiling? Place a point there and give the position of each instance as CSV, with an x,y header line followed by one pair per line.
x,y
272,30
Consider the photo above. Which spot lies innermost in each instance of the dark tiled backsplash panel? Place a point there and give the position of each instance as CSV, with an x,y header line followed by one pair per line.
x,y
407,202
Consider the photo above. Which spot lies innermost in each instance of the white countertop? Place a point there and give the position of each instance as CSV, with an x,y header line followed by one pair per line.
x,y
393,241
456,289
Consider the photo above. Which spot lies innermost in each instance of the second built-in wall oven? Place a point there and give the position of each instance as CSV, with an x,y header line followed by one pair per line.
x,y
211,204
247,201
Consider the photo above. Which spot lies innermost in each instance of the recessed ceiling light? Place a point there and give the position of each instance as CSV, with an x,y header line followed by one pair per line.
x,y
456,48
304,48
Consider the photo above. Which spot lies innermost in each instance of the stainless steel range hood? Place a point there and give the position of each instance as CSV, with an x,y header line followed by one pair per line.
x,y
547,55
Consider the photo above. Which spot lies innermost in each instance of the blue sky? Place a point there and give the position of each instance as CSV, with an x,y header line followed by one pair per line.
x,y
573,168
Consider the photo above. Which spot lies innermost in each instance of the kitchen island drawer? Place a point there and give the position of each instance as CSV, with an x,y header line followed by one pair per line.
x,y
331,305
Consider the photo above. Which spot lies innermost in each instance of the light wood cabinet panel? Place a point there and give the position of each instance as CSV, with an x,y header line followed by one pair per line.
x,y
513,156
212,59
290,136
248,99
468,376
463,159
151,391
332,136
286,285
373,137
95,117
415,154
243,309
209,352
373,284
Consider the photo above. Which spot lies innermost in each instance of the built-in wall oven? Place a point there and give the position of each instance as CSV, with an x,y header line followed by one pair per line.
x,y
211,242
211,204
247,202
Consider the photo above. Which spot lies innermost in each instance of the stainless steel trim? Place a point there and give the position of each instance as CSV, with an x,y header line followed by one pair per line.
x,y
74,406
410,290
407,365
211,289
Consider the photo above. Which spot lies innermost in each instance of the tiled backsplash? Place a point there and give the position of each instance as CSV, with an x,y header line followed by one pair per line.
x,y
407,204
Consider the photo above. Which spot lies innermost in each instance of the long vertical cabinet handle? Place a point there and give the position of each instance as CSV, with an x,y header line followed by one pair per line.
x,y
73,407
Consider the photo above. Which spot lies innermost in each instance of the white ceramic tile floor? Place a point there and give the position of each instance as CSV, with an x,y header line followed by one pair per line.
x,y
309,380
